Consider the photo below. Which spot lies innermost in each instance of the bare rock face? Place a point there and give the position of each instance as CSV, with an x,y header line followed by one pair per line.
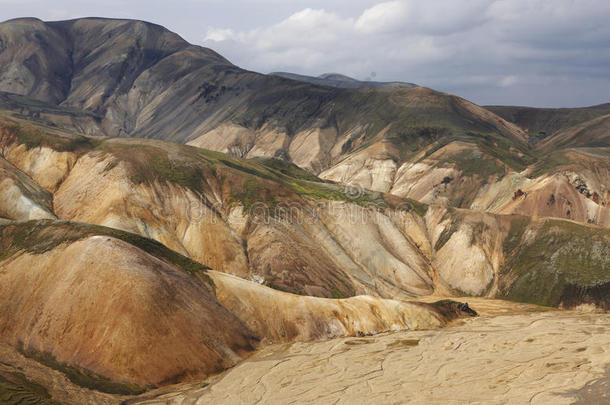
x,y
35,60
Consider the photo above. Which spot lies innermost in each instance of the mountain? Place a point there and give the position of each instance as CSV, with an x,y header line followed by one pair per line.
x,y
269,221
141,80
131,78
541,122
165,214
342,81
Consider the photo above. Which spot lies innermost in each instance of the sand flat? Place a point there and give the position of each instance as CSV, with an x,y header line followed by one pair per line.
x,y
558,357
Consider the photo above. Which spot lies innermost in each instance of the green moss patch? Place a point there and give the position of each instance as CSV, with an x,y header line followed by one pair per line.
x,y
148,163
34,137
80,376
37,237
560,254
16,389
474,163
515,235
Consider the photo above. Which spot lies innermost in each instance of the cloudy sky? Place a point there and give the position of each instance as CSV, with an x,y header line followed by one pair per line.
x,y
526,52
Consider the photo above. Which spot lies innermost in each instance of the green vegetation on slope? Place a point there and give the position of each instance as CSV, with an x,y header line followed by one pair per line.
x,y
149,163
37,237
473,163
247,182
548,163
548,120
514,155
560,253
80,376
414,119
16,389
518,226
34,137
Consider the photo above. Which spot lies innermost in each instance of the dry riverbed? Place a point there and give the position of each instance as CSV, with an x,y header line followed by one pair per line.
x,y
512,353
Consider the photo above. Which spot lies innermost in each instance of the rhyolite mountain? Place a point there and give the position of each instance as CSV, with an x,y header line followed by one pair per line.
x,y
141,80
267,220
96,308
164,213
131,78
107,311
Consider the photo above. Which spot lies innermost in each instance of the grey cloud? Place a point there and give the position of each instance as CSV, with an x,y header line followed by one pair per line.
x,y
502,51
540,52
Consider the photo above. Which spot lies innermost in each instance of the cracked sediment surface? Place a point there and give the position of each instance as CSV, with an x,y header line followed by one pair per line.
x,y
526,357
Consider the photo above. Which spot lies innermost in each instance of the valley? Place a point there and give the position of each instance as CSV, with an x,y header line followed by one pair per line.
x,y
176,229
536,358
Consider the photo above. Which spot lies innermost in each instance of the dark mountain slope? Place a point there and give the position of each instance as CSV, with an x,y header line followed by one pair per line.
x,y
145,81
548,120
131,78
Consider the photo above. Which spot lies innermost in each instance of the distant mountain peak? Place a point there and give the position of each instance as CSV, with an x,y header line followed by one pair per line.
x,y
343,81
337,76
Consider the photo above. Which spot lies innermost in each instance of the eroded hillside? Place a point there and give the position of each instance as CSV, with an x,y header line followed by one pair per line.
x,y
230,210
269,221
131,78
120,314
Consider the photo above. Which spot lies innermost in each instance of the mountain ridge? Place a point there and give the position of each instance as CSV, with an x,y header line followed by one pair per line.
x,y
165,214
133,99
145,81
342,81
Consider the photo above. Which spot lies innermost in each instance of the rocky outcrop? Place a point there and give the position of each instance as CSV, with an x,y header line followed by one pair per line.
x,y
282,317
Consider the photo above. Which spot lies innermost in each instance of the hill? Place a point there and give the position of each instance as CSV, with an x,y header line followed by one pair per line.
x,y
542,122
269,221
137,79
109,312
131,78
